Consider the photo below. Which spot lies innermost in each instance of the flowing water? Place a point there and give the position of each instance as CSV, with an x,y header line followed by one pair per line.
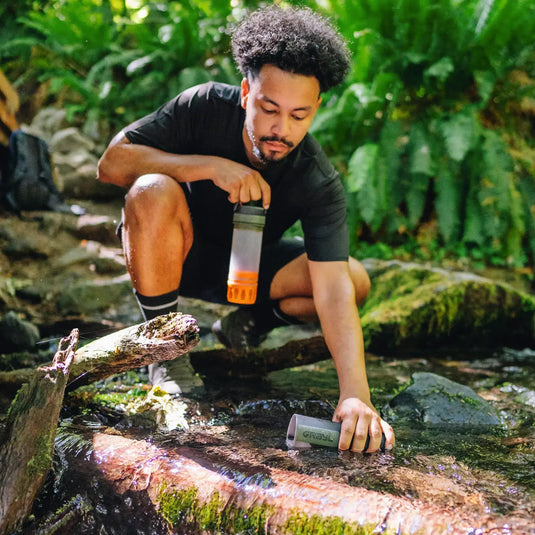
x,y
492,472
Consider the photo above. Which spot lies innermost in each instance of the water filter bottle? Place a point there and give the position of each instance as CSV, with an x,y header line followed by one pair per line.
x,y
304,431
242,281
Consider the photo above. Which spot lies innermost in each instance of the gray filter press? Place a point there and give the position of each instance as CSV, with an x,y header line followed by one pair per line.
x,y
304,431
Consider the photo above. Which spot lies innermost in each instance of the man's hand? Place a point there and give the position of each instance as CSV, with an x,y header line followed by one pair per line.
x,y
358,421
242,183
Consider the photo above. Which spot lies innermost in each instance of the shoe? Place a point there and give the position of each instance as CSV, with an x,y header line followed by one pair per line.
x,y
175,376
158,376
237,330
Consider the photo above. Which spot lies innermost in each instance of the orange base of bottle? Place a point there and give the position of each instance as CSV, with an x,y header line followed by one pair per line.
x,y
242,288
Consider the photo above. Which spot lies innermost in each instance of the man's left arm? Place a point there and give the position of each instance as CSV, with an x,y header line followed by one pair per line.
x,y
334,298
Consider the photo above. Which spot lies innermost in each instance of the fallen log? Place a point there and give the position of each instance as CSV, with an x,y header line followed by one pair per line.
x,y
27,442
196,492
163,338
259,361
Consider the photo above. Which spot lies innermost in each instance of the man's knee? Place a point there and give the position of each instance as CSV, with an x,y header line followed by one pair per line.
x,y
148,192
361,280
155,198
157,202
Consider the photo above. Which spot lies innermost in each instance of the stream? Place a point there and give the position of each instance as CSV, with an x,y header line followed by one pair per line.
x,y
470,473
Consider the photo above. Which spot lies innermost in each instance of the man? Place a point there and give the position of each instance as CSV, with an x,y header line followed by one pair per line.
x,y
215,145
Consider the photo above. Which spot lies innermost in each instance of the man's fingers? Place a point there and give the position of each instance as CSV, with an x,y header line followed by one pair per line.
x,y
265,190
361,434
390,438
346,433
375,434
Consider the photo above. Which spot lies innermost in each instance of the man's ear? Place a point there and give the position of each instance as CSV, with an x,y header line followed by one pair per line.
x,y
244,92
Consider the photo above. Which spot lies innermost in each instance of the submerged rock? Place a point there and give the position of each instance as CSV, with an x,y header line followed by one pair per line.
x,y
437,401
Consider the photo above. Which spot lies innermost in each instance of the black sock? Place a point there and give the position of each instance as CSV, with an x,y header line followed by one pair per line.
x,y
157,305
268,315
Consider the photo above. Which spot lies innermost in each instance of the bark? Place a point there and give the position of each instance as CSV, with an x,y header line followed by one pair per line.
x,y
27,443
28,440
193,490
160,339
258,362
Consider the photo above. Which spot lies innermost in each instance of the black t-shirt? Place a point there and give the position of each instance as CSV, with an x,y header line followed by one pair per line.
x,y
208,119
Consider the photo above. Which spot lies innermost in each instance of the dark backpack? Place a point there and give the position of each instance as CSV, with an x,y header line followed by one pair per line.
x,y
28,182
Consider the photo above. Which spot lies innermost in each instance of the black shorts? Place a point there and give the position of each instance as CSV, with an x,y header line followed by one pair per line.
x,y
206,268
205,271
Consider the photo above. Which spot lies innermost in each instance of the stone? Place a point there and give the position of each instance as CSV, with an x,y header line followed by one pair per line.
x,y
432,400
90,296
80,182
70,140
98,228
414,307
48,121
17,334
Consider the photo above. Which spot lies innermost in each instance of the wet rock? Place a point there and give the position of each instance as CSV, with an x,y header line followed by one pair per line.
x,y
101,259
527,398
90,296
17,246
99,228
411,306
17,334
433,400
77,177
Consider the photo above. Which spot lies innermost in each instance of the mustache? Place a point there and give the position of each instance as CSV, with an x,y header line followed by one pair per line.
x,y
277,139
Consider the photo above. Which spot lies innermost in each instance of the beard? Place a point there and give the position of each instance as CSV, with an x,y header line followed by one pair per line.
x,y
266,158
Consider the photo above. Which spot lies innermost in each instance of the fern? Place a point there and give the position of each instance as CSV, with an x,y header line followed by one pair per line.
x,y
448,202
458,132
361,179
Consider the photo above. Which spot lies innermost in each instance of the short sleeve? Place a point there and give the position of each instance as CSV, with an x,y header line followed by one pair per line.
x,y
325,222
169,128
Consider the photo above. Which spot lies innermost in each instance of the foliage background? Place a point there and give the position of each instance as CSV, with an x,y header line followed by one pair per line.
x,y
432,131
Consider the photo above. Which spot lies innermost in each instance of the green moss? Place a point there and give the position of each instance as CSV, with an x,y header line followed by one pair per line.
x,y
41,462
183,508
302,524
411,304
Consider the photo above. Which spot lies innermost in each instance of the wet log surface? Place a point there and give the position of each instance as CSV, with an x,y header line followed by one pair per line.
x,y
213,489
27,443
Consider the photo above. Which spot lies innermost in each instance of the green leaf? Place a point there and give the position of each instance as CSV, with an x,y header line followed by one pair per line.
x,y
361,169
473,228
416,197
420,151
447,189
458,133
191,76
440,70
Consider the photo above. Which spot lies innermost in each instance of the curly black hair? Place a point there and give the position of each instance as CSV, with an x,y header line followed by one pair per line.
x,y
296,40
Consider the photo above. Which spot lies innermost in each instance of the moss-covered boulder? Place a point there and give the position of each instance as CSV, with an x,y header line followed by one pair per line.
x,y
411,307
432,400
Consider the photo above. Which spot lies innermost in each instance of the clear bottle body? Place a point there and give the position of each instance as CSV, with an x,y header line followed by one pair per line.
x,y
242,281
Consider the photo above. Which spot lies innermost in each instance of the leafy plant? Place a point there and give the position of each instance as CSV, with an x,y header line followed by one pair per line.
x,y
119,64
421,128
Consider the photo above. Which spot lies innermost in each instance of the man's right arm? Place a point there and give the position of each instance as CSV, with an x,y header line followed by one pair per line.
x,y
123,162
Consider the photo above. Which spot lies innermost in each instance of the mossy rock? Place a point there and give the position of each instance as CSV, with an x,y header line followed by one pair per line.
x,y
411,307
432,400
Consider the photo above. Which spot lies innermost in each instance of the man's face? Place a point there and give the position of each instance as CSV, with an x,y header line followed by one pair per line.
x,y
279,107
